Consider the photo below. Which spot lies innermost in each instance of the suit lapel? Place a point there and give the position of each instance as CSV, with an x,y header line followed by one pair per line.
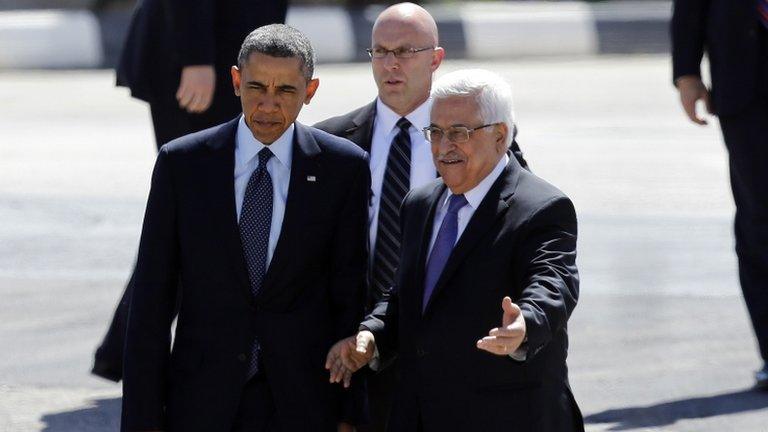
x,y
222,161
492,207
361,133
300,193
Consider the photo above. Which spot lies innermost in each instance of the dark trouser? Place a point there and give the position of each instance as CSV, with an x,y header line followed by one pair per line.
x,y
381,389
746,137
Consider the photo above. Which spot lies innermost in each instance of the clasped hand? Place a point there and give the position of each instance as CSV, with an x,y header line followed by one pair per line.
x,y
348,355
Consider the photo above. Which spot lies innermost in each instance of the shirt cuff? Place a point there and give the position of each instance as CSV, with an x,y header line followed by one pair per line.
x,y
521,354
375,362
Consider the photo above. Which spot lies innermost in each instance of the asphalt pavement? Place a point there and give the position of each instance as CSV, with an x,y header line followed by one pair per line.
x,y
660,340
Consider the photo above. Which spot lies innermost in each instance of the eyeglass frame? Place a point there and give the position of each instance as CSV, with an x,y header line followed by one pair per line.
x,y
411,52
427,131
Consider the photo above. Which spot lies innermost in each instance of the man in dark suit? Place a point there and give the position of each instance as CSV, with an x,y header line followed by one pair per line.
x,y
263,221
488,253
734,33
404,53
177,57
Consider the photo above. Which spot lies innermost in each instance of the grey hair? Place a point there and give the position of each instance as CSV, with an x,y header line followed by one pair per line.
x,y
492,93
279,40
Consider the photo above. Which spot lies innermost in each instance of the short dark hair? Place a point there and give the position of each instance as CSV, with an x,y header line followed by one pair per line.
x,y
279,40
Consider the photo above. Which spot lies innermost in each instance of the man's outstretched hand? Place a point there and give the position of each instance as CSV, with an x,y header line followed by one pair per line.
x,y
506,339
348,355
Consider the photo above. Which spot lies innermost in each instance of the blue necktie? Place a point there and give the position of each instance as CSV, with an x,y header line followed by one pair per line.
x,y
255,225
762,12
441,251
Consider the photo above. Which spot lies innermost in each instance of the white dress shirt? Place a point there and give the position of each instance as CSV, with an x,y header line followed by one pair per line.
x,y
384,131
247,149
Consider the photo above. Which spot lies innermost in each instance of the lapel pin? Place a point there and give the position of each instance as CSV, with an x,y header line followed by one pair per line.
x,y
311,178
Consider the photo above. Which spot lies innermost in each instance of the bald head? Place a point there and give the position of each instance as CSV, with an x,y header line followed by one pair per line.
x,y
407,34
411,16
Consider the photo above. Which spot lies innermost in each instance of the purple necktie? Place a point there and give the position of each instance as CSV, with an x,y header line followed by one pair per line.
x,y
441,251
762,12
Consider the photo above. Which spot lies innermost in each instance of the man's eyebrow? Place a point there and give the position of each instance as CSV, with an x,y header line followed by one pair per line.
x,y
453,125
254,82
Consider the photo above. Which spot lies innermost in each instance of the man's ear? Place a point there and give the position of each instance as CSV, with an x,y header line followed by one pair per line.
x,y
437,58
235,79
312,86
501,131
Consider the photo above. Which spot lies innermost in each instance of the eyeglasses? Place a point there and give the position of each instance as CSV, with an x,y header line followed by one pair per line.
x,y
455,134
401,53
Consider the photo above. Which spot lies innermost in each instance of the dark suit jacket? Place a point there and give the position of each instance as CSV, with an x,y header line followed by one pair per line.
x,y
312,294
357,126
730,32
520,242
166,35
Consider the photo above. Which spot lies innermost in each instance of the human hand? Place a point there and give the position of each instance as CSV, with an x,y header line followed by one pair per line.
x,y
692,89
345,427
196,88
349,355
365,348
506,339
335,361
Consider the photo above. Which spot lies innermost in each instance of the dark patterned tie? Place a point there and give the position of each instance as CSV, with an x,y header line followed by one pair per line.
x,y
762,12
393,189
255,225
444,242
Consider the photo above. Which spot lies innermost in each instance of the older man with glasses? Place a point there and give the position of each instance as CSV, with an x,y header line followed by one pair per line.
x,y
404,53
486,284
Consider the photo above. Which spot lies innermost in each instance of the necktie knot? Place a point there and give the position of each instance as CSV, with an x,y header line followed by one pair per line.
x,y
264,155
456,202
403,124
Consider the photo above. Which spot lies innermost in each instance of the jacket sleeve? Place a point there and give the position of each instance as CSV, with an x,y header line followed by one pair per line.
x,y
688,30
383,321
152,307
350,256
551,280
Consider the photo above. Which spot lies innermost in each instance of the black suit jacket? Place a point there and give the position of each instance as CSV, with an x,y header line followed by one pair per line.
x,y
166,35
312,294
729,31
520,242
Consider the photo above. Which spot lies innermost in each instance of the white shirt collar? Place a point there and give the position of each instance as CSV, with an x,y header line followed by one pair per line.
x,y
247,146
387,118
475,195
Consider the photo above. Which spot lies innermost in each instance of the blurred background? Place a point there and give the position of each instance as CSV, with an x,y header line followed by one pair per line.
x,y
660,340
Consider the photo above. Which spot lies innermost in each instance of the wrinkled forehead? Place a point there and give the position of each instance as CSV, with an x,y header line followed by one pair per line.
x,y
460,110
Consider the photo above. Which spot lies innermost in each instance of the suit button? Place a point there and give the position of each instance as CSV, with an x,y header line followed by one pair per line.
x,y
420,352
241,357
